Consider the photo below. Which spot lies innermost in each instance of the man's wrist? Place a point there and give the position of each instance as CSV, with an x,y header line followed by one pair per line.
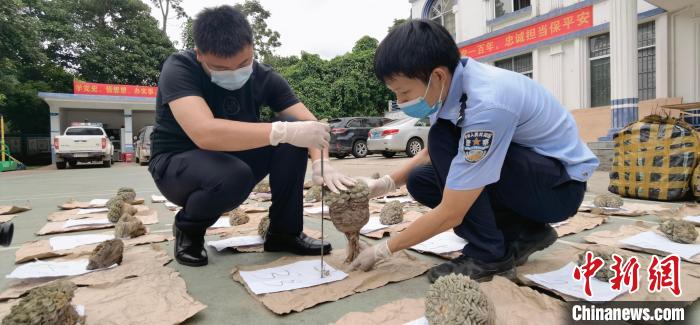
x,y
277,133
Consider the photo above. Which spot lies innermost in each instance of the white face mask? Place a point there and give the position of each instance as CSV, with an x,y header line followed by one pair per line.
x,y
232,79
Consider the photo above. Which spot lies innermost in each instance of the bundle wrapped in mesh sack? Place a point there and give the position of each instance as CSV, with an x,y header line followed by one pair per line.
x,y
654,159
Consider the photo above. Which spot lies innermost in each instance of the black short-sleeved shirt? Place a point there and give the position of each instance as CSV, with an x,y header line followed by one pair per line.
x,y
182,75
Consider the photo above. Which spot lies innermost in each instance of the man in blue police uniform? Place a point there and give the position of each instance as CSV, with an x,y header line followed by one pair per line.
x,y
503,160
209,148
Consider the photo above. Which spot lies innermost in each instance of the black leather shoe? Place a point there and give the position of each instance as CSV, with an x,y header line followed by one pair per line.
x,y
189,248
300,244
530,242
475,269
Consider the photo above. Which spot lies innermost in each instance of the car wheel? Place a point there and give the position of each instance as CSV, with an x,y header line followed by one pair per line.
x,y
137,159
72,164
107,163
143,163
414,146
388,154
61,165
359,149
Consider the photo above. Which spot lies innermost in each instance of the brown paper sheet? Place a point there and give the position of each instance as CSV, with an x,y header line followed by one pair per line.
x,y
41,249
632,209
73,204
688,209
401,191
12,209
400,267
138,261
408,218
154,296
148,217
64,215
6,218
580,222
612,238
559,255
246,229
514,305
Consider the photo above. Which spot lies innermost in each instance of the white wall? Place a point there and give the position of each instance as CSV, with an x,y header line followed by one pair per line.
x,y
685,54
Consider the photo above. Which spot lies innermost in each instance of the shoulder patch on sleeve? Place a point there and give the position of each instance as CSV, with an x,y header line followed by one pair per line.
x,y
476,145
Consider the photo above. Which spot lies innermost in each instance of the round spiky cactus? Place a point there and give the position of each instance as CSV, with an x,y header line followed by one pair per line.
x,y
349,211
313,194
262,187
457,299
263,226
392,213
129,226
48,304
127,193
106,254
119,207
608,200
680,231
605,273
238,217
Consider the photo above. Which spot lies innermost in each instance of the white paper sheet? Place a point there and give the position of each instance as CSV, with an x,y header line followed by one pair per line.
x,y
158,198
562,281
221,223
372,225
98,203
172,206
68,242
693,219
653,240
302,274
80,309
446,242
591,206
559,224
419,321
402,199
85,222
242,241
42,269
316,210
91,210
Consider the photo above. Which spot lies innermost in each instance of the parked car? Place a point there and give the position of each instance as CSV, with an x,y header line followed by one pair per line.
x,y
409,135
143,145
349,135
83,143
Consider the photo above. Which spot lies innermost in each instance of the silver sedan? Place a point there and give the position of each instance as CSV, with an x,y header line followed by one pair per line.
x,y
409,135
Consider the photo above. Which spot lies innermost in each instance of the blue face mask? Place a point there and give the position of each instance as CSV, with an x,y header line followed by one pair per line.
x,y
231,79
418,107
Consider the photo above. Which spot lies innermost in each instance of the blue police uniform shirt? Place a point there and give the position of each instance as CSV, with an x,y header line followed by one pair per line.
x,y
504,107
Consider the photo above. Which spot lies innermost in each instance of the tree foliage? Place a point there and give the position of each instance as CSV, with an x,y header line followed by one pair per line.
x,y
164,6
187,37
45,44
266,40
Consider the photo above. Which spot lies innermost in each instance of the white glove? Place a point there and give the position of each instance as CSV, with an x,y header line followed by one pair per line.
x,y
303,134
334,179
370,256
381,186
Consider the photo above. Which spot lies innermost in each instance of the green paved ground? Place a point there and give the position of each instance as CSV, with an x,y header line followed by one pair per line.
x,y
227,301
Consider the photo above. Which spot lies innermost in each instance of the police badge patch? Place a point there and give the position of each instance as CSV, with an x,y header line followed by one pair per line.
x,y
477,145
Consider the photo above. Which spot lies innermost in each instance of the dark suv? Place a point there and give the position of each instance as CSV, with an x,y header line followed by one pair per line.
x,y
349,135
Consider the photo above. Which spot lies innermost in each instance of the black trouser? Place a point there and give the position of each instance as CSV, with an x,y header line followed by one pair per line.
x,y
533,190
209,183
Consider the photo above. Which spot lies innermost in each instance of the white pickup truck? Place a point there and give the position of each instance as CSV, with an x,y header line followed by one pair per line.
x,y
84,143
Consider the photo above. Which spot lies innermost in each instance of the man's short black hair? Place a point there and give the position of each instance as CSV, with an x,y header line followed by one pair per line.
x,y
414,49
222,31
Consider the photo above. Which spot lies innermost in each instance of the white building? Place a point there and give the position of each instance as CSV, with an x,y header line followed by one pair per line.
x,y
588,53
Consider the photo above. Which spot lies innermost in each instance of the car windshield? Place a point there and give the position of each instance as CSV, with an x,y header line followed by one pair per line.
x,y
83,131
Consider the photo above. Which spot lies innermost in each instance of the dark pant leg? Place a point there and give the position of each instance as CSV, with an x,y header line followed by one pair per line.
x,y
205,183
286,165
533,190
479,227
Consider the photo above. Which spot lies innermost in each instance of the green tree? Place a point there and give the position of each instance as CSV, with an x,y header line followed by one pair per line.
x,y
164,6
365,43
397,22
187,37
266,40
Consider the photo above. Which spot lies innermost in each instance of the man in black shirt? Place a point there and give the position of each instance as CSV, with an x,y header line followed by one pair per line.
x,y
209,148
